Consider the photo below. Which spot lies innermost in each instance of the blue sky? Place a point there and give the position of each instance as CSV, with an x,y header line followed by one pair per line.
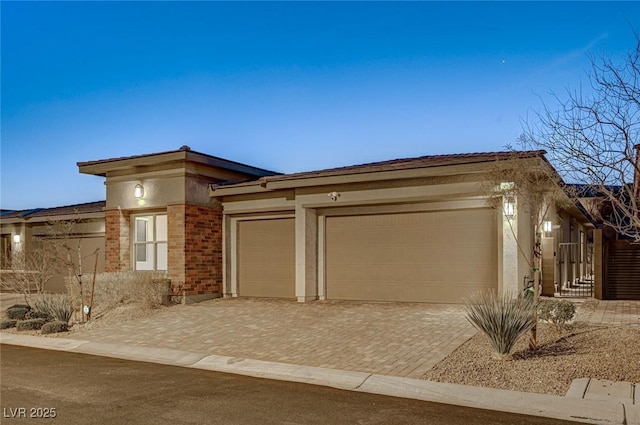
x,y
285,86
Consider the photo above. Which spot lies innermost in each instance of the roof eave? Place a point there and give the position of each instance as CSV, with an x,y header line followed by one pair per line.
x,y
102,167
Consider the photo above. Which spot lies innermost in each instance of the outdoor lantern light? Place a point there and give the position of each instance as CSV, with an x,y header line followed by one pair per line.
x,y
509,208
547,226
16,238
138,192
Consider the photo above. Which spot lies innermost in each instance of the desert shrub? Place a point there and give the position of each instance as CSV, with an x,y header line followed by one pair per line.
x,y
503,318
57,306
6,324
559,313
37,314
55,327
27,306
18,313
30,324
150,288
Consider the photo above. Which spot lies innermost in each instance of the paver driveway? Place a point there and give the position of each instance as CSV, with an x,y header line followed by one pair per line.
x,y
384,338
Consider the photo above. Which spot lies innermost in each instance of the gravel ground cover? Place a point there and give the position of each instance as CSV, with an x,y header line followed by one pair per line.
x,y
579,351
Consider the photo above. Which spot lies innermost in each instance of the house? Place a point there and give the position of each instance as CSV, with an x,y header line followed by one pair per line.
x,y
417,229
83,228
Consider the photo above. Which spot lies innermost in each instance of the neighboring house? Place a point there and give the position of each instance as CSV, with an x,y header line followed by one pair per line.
x,y
618,255
417,229
83,228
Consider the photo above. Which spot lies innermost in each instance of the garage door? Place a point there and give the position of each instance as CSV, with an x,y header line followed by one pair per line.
x,y
426,257
266,258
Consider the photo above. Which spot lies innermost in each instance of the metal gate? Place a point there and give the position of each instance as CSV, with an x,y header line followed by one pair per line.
x,y
575,270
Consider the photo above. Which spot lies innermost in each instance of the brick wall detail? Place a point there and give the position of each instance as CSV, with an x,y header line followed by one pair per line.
x,y
117,241
195,249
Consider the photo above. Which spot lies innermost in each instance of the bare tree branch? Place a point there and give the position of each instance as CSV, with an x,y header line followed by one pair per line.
x,y
593,140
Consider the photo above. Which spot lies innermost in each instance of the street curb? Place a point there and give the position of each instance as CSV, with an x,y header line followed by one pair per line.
x,y
145,354
546,405
284,372
59,344
602,412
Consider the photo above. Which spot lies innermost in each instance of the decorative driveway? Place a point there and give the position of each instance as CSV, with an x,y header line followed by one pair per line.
x,y
397,339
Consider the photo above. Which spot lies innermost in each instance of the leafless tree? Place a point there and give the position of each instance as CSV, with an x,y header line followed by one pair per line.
x,y
32,269
592,138
46,255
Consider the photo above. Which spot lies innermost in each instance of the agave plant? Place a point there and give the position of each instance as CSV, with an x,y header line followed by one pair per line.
x,y
57,306
503,318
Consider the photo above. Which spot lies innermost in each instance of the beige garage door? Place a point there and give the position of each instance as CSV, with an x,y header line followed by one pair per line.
x,y
427,257
266,258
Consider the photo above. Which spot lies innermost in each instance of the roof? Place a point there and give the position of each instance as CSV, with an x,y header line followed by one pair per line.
x,y
98,167
398,164
410,163
86,208
67,210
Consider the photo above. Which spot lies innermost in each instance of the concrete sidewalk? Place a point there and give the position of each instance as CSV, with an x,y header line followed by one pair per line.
x,y
590,411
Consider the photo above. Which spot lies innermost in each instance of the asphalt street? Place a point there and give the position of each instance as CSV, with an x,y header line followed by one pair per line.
x,y
41,386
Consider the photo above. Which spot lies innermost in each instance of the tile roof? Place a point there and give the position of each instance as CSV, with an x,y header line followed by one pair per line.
x,y
402,164
86,208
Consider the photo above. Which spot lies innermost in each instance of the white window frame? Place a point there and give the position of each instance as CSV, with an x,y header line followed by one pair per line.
x,y
152,242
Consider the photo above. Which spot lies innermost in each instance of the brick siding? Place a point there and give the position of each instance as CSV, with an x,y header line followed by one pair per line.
x,y
117,241
195,249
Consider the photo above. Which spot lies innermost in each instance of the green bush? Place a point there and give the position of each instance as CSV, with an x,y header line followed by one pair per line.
x,y
27,306
559,313
502,318
6,324
56,306
18,313
30,324
55,327
37,314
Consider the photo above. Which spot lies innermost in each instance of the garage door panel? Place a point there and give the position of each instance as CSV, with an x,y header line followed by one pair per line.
x,y
266,258
403,274
394,291
429,257
433,254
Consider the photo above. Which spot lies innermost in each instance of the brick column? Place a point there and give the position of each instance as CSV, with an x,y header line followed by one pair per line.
x,y
117,240
195,250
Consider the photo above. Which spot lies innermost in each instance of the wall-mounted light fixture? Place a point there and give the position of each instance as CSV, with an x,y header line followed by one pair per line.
x,y
334,196
509,208
547,226
138,192
16,238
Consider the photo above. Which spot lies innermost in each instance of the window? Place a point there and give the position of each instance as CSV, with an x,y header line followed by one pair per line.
x,y
150,242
